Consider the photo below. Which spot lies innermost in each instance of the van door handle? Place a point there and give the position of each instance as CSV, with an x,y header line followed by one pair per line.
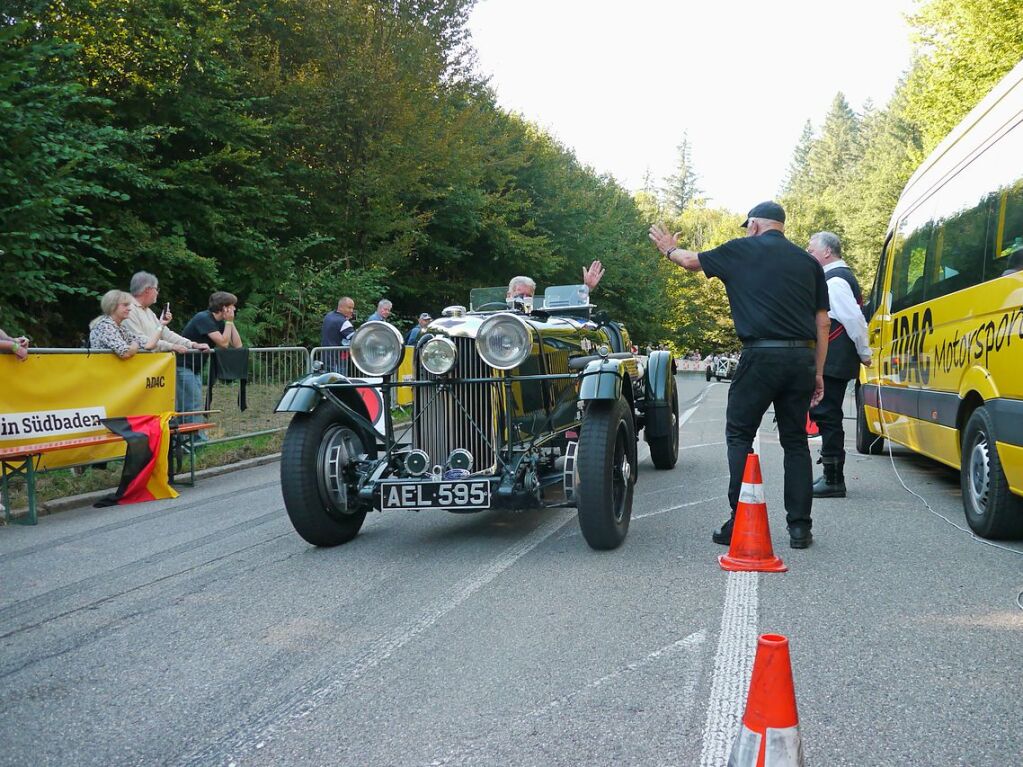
x,y
874,334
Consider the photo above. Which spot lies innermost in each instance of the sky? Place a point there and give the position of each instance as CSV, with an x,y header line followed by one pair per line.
x,y
619,83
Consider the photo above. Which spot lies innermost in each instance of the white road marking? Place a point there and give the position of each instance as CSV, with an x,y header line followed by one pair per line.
x,y
733,665
266,726
680,506
692,645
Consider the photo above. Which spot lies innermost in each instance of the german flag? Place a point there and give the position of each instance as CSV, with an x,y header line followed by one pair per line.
x,y
145,459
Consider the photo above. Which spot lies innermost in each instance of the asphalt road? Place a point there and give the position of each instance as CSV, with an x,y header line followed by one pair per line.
x,y
204,631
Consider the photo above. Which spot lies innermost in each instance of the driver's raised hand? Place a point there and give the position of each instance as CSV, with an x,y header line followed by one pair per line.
x,y
593,275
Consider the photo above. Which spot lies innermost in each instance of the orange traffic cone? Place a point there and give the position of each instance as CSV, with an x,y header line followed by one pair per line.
x,y
751,548
770,727
812,429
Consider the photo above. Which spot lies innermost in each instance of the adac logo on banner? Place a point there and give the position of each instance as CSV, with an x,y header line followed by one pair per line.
x,y
51,397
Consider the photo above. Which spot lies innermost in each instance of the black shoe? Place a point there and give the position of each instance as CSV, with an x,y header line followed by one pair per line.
x,y
724,535
800,537
823,489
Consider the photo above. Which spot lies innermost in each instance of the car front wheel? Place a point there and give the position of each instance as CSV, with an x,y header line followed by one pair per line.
x,y
664,449
991,508
607,473
316,460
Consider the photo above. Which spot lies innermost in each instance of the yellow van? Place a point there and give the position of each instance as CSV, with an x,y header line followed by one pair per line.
x,y
946,315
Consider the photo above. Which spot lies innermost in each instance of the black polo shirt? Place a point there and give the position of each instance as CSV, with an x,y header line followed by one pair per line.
x,y
774,288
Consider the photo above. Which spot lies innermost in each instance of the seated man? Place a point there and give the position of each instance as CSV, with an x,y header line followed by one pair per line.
x,y
525,287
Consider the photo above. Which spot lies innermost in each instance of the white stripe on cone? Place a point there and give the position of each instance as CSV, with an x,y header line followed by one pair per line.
x,y
751,493
784,748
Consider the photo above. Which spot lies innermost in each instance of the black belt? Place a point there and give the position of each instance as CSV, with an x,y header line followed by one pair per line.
x,y
778,343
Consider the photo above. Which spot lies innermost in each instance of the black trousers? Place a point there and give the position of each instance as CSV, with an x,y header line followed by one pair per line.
x,y
785,378
828,415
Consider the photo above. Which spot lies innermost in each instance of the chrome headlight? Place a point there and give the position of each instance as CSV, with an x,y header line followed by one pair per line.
x,y
504,341
377,348
438,355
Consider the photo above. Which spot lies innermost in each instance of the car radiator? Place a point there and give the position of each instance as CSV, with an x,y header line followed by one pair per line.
x,y
459,415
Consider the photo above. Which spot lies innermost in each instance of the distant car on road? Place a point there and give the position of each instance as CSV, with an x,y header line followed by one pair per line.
x,y
721,366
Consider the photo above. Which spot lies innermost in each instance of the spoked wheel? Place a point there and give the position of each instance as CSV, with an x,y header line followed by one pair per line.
x,y
316,477
607,473
991,508
664,449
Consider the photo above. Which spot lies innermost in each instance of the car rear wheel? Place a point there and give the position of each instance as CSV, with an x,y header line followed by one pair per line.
x,y
991,508
316,461
664,449
607,473
867,442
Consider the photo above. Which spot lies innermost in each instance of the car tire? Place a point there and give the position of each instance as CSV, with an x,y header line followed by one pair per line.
x,y
664,450
607,466
992,511
867,443
317,450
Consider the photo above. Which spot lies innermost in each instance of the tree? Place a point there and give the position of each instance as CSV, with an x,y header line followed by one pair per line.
x,y
681,189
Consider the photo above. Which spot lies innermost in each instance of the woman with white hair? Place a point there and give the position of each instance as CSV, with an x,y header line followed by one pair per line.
x,y
108,332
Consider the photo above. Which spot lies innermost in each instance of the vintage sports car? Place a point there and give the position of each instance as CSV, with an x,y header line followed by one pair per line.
x,y
524,404
722,367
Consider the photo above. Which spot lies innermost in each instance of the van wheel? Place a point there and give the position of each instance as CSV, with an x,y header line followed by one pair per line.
x,y
991,508
867,442
316,482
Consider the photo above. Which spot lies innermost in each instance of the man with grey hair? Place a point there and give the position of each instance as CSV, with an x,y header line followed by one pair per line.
x,y
382,313
524,287
145,291
847,350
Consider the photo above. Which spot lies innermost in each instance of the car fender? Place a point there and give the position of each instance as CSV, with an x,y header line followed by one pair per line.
x,y
305,394
660,370
602,380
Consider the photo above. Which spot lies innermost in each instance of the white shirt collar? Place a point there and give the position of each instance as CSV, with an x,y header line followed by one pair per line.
x,y
835,265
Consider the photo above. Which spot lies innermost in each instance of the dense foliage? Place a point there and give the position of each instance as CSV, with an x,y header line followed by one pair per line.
x,y
290,151
293,151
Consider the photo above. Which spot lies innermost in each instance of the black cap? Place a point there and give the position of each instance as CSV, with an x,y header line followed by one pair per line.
x,y
769,210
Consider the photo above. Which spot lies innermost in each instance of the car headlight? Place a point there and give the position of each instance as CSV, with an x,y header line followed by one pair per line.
x,y
438,355
504,341
377,348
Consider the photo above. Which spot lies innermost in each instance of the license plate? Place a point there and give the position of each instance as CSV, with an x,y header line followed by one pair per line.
x,y
466,494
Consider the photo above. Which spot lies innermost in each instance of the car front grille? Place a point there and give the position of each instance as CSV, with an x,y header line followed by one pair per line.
x,y
460,416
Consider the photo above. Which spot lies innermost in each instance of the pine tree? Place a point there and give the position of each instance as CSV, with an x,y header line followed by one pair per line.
x,y
681,189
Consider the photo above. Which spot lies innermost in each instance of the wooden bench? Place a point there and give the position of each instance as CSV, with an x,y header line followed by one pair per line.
x,y
24,461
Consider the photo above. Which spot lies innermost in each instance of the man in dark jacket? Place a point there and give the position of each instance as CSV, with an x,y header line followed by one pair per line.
x,y
847,349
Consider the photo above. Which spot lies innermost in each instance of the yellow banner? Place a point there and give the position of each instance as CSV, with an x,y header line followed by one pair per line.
x,y
53,397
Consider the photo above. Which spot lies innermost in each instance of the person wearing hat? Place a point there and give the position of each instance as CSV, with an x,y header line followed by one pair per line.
x,y
418,330
779,303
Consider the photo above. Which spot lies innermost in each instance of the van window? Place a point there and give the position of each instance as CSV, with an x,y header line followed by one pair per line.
x,y
914,241
1008,248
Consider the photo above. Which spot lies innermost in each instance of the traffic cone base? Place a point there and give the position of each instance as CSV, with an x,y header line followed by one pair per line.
x,y
769,736
750,548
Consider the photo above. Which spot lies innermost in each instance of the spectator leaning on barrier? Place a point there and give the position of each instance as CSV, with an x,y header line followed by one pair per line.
x,y
417,330
17,346
145,290
110,332
382,313
214,326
